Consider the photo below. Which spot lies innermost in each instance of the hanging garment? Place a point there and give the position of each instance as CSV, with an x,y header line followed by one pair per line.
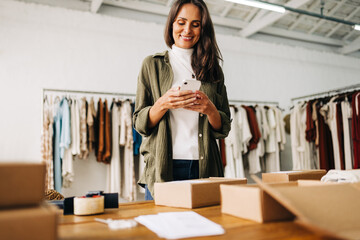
x,y
65,144
301,149
99,130
316,142
329,113
90,120
126,140
107,135
355,130
310,124
272,147
47,142
270,142
340,134
84,152
114,168
326,154
265,131
233,144
273,159
310,155
75,127
254,128
62,140
255,154
346,117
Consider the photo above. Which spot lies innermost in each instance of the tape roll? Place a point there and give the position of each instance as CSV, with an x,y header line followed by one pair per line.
x,y
88,205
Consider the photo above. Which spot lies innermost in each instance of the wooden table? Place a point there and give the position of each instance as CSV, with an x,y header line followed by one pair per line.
x,y
85,227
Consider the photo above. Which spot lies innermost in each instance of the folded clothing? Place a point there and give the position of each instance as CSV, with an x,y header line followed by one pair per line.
x,y
349,176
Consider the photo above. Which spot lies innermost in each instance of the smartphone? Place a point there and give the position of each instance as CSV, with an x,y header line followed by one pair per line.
x,y
192,85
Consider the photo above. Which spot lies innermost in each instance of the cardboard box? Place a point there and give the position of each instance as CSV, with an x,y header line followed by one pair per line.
x,y
192,193
329,209
251,202
33,223
21,184
287,176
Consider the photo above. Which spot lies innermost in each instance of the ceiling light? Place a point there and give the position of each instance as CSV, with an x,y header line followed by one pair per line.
x,y
262,5
281,9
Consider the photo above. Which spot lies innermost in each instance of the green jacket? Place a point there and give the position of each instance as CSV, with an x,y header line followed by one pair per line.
x,y
154,80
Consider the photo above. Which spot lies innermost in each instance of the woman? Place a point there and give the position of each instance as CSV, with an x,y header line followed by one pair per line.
x,y
181,127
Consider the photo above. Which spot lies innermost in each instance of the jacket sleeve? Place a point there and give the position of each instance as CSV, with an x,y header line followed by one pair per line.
x,y
223,107
144,100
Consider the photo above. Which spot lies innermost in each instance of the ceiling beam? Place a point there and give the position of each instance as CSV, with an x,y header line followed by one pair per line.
x,y
340,24
251,14
269,19
301,17
302,36
95,5
352,47
227,22
140,6
164,11
227,9
331,13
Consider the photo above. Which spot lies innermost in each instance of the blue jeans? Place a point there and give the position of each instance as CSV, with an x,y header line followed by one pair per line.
x,y
182,170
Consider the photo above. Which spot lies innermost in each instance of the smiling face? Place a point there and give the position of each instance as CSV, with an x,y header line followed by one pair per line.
x,y
187,26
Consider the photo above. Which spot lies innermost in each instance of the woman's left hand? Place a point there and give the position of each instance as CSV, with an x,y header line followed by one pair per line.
x,y
202,104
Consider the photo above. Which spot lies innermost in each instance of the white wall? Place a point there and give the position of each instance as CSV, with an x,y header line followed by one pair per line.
x,y
46,47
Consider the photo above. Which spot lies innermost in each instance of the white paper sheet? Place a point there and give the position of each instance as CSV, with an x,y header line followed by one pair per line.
x,y
176,225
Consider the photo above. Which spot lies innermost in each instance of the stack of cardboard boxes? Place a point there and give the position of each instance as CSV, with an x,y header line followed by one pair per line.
x,y
23,212
328,208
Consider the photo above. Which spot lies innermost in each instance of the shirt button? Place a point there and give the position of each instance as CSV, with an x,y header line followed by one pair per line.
x,y
201,157
201,115
200,135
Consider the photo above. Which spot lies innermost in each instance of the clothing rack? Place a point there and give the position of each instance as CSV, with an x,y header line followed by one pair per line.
x,y
131,95
328,93
253,102
67,91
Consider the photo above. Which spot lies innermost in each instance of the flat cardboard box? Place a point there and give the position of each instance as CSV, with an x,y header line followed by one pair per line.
x,y
32,223
329,209
192,193
251,202
21,184
287,176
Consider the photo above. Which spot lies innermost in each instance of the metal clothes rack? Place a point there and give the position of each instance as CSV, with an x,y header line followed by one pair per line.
x,y
253,102
87,92
328,93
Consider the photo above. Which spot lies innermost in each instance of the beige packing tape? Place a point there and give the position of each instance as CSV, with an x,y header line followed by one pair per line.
x,y
88,205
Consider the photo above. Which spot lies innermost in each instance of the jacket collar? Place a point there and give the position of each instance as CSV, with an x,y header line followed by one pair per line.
x,y
164,54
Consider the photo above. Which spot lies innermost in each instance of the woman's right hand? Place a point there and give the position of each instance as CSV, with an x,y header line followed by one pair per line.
x,y
174,98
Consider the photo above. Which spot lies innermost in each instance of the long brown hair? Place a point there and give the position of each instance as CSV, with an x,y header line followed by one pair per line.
x,y
206,56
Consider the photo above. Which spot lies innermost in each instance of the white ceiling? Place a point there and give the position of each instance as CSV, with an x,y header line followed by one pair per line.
x,y
247,21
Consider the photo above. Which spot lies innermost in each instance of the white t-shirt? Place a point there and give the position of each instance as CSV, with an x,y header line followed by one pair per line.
x,y
184,123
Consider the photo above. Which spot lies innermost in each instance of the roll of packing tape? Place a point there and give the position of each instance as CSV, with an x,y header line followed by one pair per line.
x,y
88,205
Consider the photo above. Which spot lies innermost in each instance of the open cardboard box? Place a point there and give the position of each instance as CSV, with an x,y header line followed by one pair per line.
x,y
21,184
288,176
31,223
251,202
329,209
192,193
